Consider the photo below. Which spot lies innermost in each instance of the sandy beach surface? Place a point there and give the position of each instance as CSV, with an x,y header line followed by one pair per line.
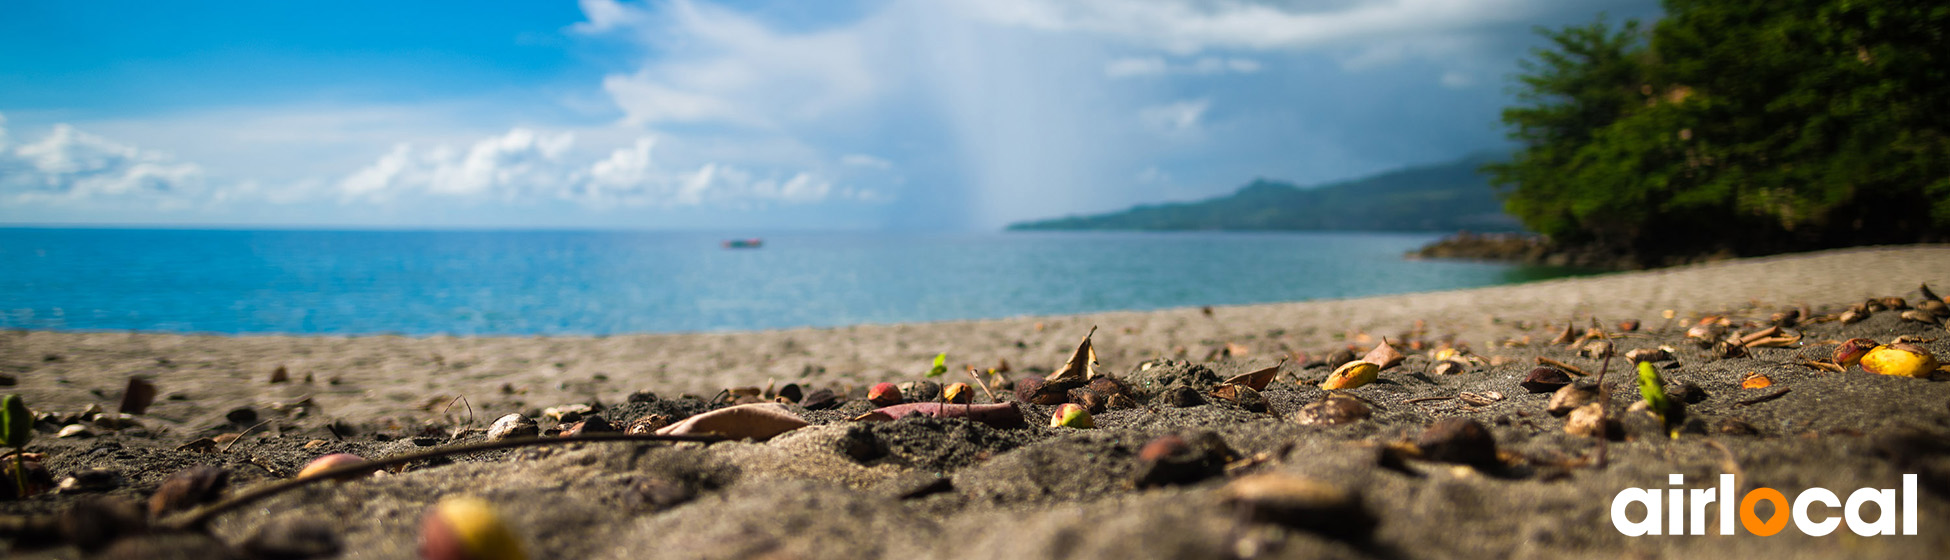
x,y
954,488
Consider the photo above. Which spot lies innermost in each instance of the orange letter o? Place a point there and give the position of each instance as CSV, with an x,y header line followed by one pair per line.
x,y
1752,522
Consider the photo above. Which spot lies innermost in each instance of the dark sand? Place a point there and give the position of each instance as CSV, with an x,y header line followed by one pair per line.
x,y
845,489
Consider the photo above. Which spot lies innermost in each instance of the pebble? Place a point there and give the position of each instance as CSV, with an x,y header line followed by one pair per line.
x,y
512,426
1459,440
1301,503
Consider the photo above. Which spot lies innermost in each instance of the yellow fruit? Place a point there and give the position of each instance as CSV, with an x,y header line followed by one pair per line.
x,y
1350,375
1073,416
1907,360
467,528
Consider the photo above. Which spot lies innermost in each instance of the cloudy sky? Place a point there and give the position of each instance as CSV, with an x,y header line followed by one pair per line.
x,y
749,114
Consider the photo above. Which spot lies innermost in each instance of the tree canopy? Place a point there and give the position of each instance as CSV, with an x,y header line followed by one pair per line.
x,y
1736,126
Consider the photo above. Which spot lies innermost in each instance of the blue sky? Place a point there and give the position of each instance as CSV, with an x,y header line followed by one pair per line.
x,y
762,114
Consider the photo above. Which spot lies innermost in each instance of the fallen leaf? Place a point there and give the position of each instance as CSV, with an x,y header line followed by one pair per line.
x,y
1383,355
1000,415
1352,374
758,421
1082,365
138,396
1257,379
940,365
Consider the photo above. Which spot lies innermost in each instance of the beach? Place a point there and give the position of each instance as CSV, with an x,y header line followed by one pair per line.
x,y
952,488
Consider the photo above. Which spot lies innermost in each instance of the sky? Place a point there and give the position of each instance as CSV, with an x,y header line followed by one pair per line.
x,y
899,115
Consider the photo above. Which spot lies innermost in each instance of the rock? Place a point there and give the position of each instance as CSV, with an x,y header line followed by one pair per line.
x,y
1182,397
511,426
293,539
188,488
1333,410
241,415
1569,398
1301,503
90,480
1459,440
1545,380
1587,420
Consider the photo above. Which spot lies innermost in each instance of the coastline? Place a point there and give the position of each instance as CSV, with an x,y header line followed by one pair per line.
x,y
1037,492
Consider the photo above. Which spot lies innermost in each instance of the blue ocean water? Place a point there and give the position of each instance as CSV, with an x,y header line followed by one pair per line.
x,y
594,282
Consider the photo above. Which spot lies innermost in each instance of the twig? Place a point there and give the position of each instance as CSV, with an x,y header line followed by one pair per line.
x,y
462,399
1762,398
240,437
202,516
1604,406
1426,399
980,383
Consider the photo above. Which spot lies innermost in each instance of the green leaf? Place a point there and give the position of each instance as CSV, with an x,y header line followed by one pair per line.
x,y
1654,390
17,424
940,365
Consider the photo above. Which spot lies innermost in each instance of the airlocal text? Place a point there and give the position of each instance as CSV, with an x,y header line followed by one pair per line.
x,y
1679,519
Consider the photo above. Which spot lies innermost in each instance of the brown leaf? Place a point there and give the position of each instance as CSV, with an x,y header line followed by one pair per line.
x,y
1383,355
1257,379
138,396
758,421
1082,365
1000,415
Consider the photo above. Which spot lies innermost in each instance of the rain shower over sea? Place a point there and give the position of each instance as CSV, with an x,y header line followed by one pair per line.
x,y
612,282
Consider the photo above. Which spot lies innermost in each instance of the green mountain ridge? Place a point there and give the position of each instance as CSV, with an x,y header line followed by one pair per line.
x,y
1442,197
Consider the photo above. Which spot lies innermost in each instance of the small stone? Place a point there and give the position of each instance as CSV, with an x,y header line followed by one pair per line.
x,y
591,424
293,539
1301,503
74,431
241,415
1459,440
1181,396
1545,380
647,424
1333,410
1569,398
1121,402
512,426
921,391
1686,391
568,413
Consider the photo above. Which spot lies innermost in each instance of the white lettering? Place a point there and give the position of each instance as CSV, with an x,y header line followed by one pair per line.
x,y
1701,497
1628,496
1909,504
1809,526
1885,501
1727,505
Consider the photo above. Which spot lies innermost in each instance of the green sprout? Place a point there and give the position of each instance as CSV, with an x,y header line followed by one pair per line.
x,y
1654,390
16,429
940,365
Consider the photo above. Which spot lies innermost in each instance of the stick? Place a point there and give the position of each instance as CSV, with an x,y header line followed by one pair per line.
x,y
1426,399
201,516
240,437
1568,368
980,383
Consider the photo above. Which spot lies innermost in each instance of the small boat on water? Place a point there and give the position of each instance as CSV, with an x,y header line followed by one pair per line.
x,y
752,243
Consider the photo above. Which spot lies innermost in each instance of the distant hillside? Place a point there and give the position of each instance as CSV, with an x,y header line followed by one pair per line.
x,y
1444,197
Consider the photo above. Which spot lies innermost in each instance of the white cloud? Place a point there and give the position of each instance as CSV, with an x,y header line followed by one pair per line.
x,y
1190,26
69,164
717,66
524,165
1173,118
1457,80
1151,66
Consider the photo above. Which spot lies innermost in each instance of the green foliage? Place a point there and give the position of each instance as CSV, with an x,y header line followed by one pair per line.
x,y
1742,126
1444,197
940,365
1653,389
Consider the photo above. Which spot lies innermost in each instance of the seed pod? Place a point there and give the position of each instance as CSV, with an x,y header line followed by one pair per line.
x,y
467,528
958,393
1333,410
330,462
1707,331
1569,398
512,426
1071,415
884,394
1351,375
1901,359
1647,355
1109,386
1851,351
1545,380
1921,316
1854,315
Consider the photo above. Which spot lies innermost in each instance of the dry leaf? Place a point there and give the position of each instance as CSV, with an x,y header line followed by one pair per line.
x,y
1383,355
1000,415
1257,379
1082,365
758,421
1756,381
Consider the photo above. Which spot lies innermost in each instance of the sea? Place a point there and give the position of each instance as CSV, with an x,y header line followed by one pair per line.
x,y
420,283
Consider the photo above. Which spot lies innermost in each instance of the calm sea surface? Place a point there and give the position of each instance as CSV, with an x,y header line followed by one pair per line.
x,y
536,282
